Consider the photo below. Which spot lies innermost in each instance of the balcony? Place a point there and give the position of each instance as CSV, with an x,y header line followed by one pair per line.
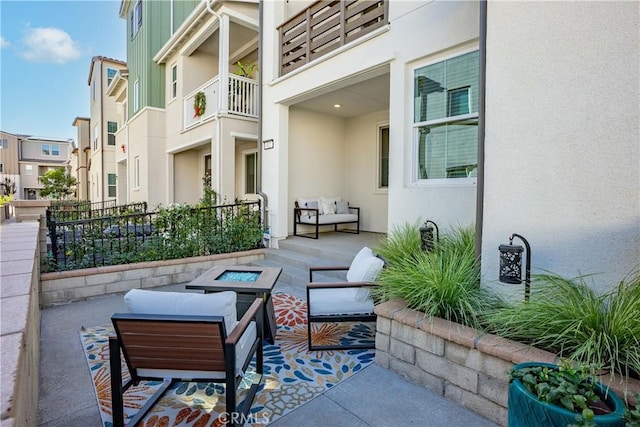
x,y
240,98
325,26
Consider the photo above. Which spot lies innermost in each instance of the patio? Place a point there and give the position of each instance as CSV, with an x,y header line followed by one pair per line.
x,y
66,391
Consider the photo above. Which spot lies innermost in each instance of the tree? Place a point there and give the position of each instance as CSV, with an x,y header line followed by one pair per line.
x,y
57,184
8,187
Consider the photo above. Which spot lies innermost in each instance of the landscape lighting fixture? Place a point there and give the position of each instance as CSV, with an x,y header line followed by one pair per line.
x,y
426,236
511,264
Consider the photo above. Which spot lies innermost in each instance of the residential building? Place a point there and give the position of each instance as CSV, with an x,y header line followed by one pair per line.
x,y
105,120
36,156
9,159
390,106
80,157
170,148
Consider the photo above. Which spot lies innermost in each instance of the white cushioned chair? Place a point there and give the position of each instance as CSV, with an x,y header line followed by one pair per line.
x,y
182,336
348,301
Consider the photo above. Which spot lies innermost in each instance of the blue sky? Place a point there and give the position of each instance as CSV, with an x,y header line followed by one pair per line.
x,y
45,54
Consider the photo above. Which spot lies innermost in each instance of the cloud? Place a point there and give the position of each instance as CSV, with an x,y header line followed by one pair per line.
x,y
47,44
4,43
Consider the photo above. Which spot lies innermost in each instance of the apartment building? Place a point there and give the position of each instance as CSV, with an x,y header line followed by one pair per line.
x,y
9,159
464,113
105,120
191,101
36,156
80,157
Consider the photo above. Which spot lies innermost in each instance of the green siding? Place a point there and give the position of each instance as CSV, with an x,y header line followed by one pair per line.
x,y
154,33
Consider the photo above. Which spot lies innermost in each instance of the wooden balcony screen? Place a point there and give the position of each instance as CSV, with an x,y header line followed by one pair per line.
x,y
325,26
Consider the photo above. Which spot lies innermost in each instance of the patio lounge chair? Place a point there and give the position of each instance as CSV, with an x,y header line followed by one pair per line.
x,y
178,347
349,301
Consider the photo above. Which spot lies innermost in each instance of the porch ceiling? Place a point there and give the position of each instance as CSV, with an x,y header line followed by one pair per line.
x,y
356,99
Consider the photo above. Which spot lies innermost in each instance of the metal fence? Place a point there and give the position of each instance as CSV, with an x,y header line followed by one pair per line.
x,y
175,232
86,210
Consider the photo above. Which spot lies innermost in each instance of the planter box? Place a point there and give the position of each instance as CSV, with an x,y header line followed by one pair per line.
x,y
458,362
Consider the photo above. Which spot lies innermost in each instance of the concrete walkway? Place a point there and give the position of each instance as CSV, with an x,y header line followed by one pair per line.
x,y
372,397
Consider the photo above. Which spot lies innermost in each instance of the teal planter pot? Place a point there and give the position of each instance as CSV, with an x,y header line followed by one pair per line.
x,y
525,410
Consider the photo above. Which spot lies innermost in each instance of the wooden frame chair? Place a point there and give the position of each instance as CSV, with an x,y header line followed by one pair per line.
x,y
344,301
184,348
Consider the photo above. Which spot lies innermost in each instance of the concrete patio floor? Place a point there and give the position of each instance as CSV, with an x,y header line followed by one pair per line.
x,y
373,397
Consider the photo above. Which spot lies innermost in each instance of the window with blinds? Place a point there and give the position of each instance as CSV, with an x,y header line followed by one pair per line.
x,y
446,118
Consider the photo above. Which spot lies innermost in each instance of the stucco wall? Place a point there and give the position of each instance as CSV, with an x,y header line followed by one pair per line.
x,y
562,132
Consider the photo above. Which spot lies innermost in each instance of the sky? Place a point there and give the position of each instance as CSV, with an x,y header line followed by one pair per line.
x,y
45,54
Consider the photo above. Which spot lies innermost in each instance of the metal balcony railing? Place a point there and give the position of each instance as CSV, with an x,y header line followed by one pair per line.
x,y
325,26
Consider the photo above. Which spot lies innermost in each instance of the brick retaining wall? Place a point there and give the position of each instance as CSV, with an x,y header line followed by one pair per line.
x,y
458,362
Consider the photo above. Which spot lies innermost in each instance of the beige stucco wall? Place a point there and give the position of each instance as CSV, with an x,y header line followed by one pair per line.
x,y
187,166
563,125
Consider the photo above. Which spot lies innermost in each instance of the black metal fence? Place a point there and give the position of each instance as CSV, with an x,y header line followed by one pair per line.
x,y
176,232
74,210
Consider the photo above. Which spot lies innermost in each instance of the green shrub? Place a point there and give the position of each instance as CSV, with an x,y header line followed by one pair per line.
x,y
443,283
567,317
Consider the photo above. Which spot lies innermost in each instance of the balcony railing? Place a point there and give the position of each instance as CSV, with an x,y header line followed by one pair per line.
x,y
242,100
325,26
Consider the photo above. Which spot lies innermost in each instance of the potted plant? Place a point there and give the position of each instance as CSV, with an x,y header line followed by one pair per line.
x,y
560,395
199,104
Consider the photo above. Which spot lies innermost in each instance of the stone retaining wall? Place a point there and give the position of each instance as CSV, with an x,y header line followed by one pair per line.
x,y
458,362
72,285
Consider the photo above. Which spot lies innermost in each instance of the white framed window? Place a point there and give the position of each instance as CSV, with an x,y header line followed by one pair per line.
x,y
136,95
28,169
445,120
93,90
111,73
111,185
174,81
135,18
46,149
250,175
96,135
136,172
1,167
112,128
4,144
383,158
55,150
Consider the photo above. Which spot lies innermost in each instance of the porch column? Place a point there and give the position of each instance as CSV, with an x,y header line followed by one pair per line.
x,y
223,63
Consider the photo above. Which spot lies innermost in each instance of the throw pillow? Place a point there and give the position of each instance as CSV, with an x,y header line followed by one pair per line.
x,y
312,204
364,267
187,303
328,208
342,207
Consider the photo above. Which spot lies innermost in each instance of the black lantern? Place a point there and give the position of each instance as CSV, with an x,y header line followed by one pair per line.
x,y
426,236
511,264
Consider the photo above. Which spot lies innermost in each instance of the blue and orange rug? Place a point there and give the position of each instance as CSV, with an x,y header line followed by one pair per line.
x,y
292,374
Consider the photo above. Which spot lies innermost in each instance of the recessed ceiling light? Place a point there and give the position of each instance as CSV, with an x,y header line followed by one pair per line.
x,y
337,105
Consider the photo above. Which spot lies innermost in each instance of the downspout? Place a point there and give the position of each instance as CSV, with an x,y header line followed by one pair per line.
x,y
481,127
265,209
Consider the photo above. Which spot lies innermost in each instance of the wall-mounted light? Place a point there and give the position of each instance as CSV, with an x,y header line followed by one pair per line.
x,y
267,144
426,236
337,105
511,264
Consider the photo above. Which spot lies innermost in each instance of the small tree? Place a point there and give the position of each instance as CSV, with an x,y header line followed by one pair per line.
x,y
57,184
8,187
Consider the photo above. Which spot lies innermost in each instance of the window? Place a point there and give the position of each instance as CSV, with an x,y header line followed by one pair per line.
x,y
446,118
383,157
136,96
96,133
250,172
111,73
136,163
28,169
55,150
111,184
112,127
174,81
1,167
93,90
4,144
135,18
46,150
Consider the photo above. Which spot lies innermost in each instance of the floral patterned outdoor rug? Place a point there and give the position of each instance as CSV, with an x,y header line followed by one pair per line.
x,y
292,374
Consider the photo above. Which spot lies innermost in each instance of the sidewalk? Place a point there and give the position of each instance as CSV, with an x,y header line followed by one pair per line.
x,y
373,397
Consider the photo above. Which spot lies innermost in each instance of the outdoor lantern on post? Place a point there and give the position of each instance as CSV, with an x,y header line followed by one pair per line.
x,y
511,264
426,236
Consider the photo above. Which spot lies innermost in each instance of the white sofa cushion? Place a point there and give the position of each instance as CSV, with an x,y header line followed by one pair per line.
x,y
329,219
310,202
364,267
184,303
335,301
